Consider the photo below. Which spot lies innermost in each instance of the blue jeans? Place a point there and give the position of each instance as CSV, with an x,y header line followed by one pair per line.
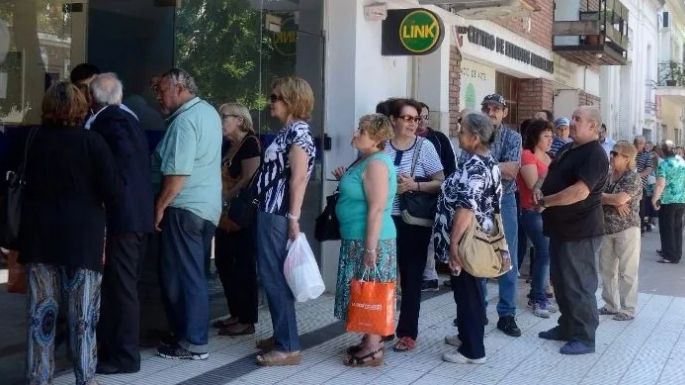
x,y
186,241
272,238
532,223
508,282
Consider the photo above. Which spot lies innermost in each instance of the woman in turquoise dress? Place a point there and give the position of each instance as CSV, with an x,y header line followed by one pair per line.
x,y
367,189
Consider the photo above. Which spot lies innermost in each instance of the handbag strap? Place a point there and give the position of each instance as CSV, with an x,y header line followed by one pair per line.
x,y
417,152
29,141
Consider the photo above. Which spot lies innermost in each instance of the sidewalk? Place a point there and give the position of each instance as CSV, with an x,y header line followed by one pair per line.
x,y
649,350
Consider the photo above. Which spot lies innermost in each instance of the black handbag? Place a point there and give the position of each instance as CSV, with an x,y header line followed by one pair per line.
x,y
242,209
11,215
418,207
327,227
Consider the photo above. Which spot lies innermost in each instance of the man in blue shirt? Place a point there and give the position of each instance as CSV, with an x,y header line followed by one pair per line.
x,y
187,172
505,149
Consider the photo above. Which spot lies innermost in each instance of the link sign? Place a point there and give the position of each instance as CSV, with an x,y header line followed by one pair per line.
x,y
414,31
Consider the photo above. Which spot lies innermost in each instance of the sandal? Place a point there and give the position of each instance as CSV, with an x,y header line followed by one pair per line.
x,y
405,344
365,360
604,311
237,330
622,317
276,358
354,349
266,345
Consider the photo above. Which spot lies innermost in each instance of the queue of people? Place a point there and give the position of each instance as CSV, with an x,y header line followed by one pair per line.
x,y
574,209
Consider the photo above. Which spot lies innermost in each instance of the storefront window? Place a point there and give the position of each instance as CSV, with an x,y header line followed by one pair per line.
x,y
39,41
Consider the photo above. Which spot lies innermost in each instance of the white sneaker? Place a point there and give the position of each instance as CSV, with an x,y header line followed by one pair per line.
x,y
453,340
540,311
459,358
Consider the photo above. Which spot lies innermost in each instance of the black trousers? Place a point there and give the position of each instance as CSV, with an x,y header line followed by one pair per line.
x,y
412,250
573,267
235,261
119,327
671,231
471,314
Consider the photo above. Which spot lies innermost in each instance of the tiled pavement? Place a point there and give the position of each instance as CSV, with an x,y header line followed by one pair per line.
x,y
648,350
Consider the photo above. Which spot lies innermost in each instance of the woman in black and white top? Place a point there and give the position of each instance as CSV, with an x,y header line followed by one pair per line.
x,y
412,240
281,184
473,192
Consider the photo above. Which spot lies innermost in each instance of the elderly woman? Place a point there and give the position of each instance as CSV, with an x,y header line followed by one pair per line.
x,y
71,179
669,200
367,189
234,257
534,164
282,181
620,255
472,193
418,167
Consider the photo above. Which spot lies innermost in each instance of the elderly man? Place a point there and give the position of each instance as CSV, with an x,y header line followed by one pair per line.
x,y
128,223
562,135
645,160
187,164
574,222
506,149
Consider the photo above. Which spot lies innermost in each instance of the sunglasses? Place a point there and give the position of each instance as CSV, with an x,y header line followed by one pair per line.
x,y
224,116
614,154
409,118
275,98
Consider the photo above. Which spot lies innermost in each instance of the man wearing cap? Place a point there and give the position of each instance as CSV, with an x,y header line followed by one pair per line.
x,y
505,149
562,135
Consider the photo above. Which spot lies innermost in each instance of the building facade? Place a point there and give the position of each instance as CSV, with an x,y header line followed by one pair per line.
x,y
670,86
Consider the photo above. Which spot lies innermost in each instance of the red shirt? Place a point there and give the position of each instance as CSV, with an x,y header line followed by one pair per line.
x,y
526,194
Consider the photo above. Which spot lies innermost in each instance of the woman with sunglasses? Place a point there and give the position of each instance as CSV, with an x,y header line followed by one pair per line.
x,y
281,184
620,256
235,257
407,150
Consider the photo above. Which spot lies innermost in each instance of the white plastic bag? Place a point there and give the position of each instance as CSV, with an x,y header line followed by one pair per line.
x,y
301,271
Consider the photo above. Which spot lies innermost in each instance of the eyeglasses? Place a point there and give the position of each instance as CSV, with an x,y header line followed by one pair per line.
x,y
425,117
274,98
410,119
224,116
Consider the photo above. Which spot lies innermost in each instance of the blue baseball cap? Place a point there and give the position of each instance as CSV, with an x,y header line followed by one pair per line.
x,y
561,122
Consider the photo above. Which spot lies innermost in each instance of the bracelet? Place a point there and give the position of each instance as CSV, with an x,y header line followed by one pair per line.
x,y
370,251
292,217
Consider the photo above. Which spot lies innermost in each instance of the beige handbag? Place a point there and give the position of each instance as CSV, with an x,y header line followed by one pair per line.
x,y
484,255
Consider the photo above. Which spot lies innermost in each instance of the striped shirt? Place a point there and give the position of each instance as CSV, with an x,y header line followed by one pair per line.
x,y
427,164
644,160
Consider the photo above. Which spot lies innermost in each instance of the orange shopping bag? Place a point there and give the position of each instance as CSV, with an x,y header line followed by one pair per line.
x,y
16,275
372,307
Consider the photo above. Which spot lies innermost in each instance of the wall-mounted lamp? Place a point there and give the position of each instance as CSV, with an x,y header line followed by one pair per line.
x,y
376,11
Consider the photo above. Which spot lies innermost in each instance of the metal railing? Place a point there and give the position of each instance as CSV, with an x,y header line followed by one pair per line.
x,y
671,74
613,19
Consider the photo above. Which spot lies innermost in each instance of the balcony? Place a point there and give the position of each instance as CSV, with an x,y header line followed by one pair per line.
x,y
486,9
597,35
671,81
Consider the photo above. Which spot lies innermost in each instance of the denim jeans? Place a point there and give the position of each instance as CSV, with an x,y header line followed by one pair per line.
x,y
532,223
185,241
272,238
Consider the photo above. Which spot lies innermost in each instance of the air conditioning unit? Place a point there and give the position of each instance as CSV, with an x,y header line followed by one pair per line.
x,y
486,9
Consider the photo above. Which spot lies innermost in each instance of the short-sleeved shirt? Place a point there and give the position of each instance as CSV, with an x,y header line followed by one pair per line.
x,y
526,194
249,148
644,159
352,208
584,219
506,148
191,147
273,182
557,144
672,169
427,164
631,184
475,186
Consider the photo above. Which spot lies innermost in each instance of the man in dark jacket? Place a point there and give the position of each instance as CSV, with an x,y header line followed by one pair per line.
x,y
128,223
448,159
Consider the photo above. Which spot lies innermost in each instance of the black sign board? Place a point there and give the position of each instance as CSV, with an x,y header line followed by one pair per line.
x,y
409,32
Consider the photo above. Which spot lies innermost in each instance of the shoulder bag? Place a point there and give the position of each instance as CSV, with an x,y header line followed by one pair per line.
x,y
418,207
11,216
327,226
226,222
484,255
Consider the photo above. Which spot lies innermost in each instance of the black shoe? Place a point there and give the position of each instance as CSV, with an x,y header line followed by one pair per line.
x,y
507,325
179,353
430,285
660,252
105,368
168,339
553,334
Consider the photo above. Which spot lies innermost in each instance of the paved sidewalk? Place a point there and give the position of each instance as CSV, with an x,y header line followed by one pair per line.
x,y
648,350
